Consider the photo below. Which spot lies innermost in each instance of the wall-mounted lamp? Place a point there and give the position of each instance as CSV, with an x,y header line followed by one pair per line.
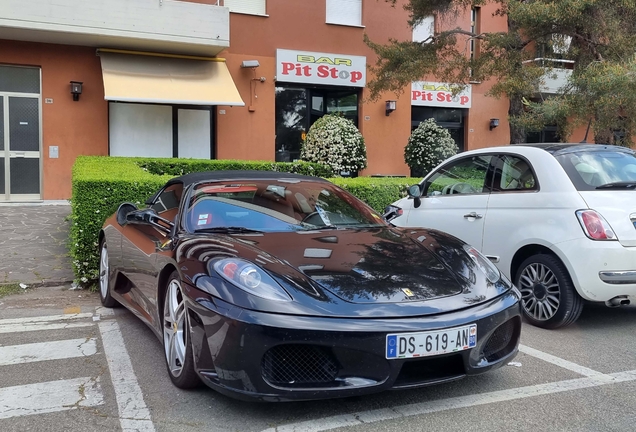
x,y
76,89
391,105
250,64
494,123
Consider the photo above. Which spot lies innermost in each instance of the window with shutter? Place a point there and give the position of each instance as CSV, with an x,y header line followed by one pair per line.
x,y
252,7
344,12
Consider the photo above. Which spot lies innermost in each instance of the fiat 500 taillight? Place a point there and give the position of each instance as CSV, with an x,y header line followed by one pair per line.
x,y
595,226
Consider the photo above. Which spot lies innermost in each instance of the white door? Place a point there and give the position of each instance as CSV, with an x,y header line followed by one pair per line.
x,y
194,133
454,200
166,131
141,130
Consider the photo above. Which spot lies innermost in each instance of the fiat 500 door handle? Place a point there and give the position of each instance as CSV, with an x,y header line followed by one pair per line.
x,y
473,215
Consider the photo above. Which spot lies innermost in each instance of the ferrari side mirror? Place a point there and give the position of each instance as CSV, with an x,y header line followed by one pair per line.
x,y
149,217
391,212
123,211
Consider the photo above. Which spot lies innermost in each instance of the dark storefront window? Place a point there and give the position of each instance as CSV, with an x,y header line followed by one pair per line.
x,y
449,118
297,108
547,135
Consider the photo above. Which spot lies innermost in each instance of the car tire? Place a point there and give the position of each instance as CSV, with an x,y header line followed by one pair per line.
x,y
548,297
176,336
104,278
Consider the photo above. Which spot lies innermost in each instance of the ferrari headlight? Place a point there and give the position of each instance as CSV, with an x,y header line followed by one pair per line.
x,y
485,265
250,278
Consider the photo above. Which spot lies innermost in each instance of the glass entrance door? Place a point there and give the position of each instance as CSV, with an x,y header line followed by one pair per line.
x,y
3,170
20,133
24,148
448,118
298,108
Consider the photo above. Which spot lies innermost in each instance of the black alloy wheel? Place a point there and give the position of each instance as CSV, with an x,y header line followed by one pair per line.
x,y
548,296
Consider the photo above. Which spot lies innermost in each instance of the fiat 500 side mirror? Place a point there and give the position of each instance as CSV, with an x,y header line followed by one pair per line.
x,y
415,193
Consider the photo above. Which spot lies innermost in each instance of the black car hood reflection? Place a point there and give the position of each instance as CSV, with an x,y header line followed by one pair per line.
x,y
377,267
385,271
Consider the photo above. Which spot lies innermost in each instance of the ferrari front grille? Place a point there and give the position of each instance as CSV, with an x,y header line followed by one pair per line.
x,y
294,365
501,342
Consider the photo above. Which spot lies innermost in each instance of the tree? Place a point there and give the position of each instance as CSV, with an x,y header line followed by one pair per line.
x,y
598,36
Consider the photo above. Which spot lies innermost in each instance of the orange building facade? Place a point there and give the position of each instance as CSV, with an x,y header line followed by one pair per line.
x,y
287,62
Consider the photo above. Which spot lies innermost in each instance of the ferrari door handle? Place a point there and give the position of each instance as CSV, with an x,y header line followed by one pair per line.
x,y
473,215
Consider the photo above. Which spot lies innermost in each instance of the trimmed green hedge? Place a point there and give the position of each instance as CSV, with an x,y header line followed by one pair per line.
x,y
177,167
101,183
377,192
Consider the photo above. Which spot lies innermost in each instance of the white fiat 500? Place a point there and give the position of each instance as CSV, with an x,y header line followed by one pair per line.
x,y
557,219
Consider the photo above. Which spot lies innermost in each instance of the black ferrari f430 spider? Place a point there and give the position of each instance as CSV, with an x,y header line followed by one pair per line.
x,y
276,287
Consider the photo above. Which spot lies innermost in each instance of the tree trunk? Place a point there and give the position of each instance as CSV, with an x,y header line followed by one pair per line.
x,y
515,109
517,133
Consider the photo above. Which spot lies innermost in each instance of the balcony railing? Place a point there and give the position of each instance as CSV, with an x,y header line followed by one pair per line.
x,y
159,25
557,73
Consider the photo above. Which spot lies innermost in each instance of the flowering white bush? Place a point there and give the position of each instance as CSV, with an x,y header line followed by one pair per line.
x,y
429,145
335,141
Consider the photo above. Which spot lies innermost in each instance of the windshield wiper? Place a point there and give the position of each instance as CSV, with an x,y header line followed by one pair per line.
x,y
619,185
228,230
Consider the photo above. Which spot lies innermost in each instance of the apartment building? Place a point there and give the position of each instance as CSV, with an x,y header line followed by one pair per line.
x,y
212,79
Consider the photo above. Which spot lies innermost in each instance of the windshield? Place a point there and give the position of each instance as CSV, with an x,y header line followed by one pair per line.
x,y
600,170
275,205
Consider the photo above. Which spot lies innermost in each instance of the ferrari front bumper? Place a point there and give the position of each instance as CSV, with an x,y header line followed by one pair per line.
x,y
272,357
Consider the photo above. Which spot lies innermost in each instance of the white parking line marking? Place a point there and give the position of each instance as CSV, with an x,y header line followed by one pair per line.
x,y
356,419
133,413
54,350
50,318
18,328
582,370
103,311
47,397
43,323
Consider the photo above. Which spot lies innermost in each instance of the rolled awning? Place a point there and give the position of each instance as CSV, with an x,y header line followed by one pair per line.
x,y
165,79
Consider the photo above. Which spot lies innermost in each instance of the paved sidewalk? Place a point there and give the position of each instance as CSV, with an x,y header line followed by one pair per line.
x,y
33,244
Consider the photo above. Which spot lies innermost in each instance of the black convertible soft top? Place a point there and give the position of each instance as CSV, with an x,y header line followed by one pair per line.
x,y
223,175
198,177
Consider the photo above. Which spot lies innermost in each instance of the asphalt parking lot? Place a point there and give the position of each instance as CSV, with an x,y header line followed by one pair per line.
x,y
581,378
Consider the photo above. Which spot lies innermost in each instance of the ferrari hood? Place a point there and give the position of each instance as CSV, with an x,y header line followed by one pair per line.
x,y
372,265
379,272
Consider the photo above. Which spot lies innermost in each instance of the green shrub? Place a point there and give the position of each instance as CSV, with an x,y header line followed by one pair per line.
x,y
428,146
335,141
177,167
375,191
101,184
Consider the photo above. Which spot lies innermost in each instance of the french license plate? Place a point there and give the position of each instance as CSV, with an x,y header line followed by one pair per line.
x,y
422,344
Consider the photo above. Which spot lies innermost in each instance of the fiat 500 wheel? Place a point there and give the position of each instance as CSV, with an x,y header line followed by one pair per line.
x,y
176,336
548,296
